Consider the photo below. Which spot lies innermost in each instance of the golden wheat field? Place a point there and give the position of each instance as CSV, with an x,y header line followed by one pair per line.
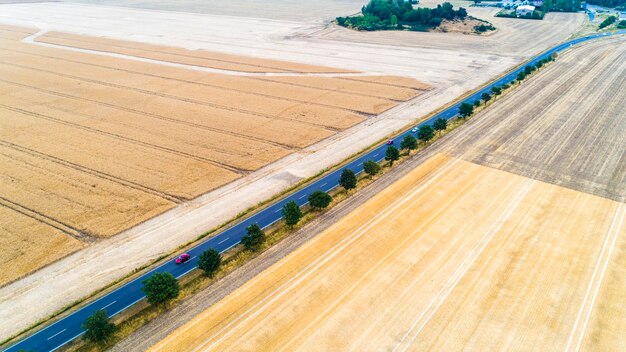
x,y
91,145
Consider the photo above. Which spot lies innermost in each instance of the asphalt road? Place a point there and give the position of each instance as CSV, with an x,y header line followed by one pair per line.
x,y
69,328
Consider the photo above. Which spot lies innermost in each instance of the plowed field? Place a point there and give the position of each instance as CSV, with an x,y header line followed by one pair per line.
x,y
91,145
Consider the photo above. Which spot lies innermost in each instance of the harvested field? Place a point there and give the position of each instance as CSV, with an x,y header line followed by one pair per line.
x,y
182,56
511,235
25,244
453,256
573,117
92,145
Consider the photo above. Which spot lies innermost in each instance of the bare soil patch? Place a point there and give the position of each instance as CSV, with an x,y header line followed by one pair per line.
x,y
183,56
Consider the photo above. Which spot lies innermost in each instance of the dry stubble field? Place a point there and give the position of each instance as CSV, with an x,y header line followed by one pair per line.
x,y
511,236
92,145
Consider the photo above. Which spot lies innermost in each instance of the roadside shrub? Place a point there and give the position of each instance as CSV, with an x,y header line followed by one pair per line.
x,y
210,261
621,24
466,109
292,213
160,288
98,327
320,200
607,22
371,167
440,124
347,180
392,154
408,143
426,133
254,237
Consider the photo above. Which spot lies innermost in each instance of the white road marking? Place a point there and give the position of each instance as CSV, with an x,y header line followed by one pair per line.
x,y
66,342
303,196
279,209
108,305
594,285
224,240
60,332
323,184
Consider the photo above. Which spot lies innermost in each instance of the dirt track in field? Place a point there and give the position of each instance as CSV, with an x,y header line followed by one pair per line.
x,y
479,250
93,145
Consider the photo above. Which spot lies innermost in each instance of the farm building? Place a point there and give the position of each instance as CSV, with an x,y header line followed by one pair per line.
x,y
524,10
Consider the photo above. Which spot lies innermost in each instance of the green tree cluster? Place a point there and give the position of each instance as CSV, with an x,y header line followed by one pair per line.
x,y
371,167
607,22
98,327
395,14
466,109
320,200
440,124
253,238
426,133
392,154
160,288
210,261
347,180
292,213
408,143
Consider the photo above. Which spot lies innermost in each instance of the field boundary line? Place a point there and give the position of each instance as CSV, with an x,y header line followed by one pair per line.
x,y
461,194
594,284
339,246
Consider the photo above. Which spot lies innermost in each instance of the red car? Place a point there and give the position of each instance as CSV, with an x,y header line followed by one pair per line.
x,y
183,258
390,142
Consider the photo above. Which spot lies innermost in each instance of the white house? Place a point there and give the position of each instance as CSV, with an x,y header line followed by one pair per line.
x,y
524,10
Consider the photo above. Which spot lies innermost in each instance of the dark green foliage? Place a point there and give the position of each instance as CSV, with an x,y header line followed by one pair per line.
x,y
477,103
160,287
392,154
521,76
292,213
347,180
466,109
425,133
621,24
607,22
394,14
506,86
254,237
210,261
485,97
408,143
98,327
607,3
319,199
496,90
440,124
484,28
528,69
561,5
371,167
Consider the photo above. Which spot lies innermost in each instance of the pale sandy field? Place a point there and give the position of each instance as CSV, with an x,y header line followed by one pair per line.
x,y
97,145
511,236
455,256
